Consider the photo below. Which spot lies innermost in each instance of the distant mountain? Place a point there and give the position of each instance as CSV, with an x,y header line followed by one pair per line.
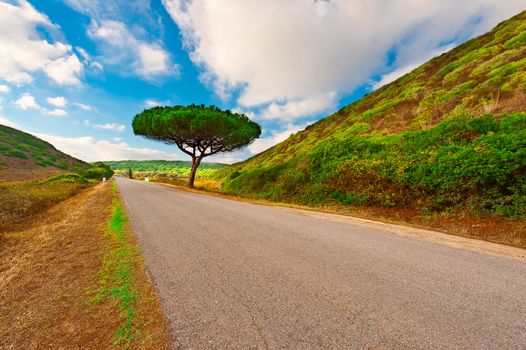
x,y
26,157
449,135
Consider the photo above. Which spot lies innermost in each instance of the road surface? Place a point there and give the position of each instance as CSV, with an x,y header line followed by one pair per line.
x,y
235,275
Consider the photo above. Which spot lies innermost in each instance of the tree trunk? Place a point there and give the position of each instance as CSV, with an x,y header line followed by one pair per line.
x,y
195,164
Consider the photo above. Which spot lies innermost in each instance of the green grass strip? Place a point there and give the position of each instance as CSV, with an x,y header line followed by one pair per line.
x,y
117,275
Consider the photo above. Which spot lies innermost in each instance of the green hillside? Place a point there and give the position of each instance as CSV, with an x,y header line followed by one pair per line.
x,y
449,136
26,157
179,167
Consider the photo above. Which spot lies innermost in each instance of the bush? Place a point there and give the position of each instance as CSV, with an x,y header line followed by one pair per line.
x,y
69,178
98,171
474,162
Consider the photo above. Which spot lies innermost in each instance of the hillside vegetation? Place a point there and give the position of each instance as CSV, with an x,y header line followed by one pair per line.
x,y
26,157
449,136
164,167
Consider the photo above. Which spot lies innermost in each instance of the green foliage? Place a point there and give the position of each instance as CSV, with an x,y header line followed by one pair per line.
x,y
17,154
198,130
74,178
517,41
16,145
98,171
208,128
465,161
167,167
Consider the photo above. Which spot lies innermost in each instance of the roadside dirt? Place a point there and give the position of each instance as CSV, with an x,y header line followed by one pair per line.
x,y
423,234
48,273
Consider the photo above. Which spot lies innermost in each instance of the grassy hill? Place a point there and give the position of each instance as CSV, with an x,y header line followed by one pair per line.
x,y
178,167
26,157
448,137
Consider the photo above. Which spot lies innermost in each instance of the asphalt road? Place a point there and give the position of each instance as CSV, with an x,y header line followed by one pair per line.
x,y
235,275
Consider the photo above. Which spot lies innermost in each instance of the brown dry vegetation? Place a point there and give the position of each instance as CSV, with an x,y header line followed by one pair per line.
x,y
49,278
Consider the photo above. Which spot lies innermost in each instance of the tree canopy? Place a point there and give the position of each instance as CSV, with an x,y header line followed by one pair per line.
x,y
198,130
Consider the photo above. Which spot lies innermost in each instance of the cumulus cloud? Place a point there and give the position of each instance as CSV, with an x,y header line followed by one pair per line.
x,y
276,52
120,47
300,108
106,126
59,101
4,88
24,50
91,149
27,102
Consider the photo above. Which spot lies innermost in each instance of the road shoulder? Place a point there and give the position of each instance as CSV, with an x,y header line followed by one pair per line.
x,y
50,275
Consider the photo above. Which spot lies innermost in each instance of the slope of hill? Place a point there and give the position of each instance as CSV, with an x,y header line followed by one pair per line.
x,y
180,167
26,157
449,136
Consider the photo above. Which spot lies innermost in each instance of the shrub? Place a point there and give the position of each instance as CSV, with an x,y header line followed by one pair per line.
x,y
465,161
98,171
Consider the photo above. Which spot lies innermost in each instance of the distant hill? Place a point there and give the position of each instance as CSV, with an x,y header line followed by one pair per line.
x,y
26,157
449,135
180,167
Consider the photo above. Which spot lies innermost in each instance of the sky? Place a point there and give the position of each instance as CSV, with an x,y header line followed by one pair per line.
x,y
76,72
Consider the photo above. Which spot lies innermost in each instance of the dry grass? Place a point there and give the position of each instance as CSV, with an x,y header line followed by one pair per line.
x,y
202,184
21,200
48,278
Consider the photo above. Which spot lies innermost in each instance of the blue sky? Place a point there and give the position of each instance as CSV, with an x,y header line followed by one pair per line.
x,y
75,72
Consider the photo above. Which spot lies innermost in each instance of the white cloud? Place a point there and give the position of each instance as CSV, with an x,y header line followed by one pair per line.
x,y
392,76
59,101
297,109
110,126
57,112
91,149
27,101
106,126
65,70
83,106
276,137
120,47
4,88
7,122
399,72
283,52
154,103
115,8
25,51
